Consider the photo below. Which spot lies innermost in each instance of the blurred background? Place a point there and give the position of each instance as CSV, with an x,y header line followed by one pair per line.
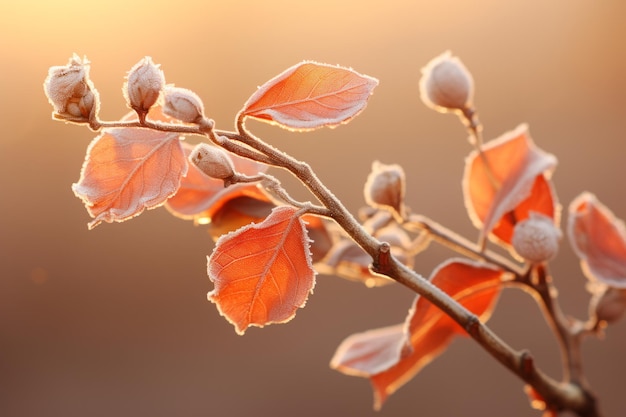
x,y
115,321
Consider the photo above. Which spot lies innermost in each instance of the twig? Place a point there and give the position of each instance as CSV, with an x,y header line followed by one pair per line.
x,y
458,243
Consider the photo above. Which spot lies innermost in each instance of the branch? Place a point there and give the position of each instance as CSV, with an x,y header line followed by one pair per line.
x,y
203,129
569,331
557,395
572,394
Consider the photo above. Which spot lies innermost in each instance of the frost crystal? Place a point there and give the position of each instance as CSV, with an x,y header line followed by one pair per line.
x,y
144,84
446,85
536,239
183,104
213,161
70,91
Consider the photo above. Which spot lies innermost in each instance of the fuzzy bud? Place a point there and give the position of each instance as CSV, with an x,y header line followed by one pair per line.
x,y
70,91
385,187
183,104
608,305
536,239
446,85
213,161
143,85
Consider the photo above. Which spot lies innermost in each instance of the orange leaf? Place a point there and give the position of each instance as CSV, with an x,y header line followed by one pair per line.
x,y
250,205
310,95
599,240
262,272
245,204
517,185
321,239
127,170
198,192
541,200
391,356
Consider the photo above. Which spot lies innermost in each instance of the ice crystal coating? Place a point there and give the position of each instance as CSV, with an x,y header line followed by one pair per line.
x,y
446,85
536,239
143,85
70,91
385,187
213,161
183,104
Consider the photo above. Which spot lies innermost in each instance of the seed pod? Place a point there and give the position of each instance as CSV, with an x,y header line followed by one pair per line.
x,y
213,161
183,104
608,305
143,85
536,239
70,91
81,108
446,85
385,188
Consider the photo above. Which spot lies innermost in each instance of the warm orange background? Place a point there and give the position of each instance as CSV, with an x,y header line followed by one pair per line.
x,y
115,322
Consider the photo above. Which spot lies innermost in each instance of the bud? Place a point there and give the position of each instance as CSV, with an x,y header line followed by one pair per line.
x,y
143,85
213,161
608,305
536,239
70,91
183,104
446,85
385,187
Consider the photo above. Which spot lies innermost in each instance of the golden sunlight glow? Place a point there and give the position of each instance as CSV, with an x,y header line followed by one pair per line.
x,y
203,221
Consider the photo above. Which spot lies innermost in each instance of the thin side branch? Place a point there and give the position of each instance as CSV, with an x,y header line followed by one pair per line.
x,y
567,330
459,244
